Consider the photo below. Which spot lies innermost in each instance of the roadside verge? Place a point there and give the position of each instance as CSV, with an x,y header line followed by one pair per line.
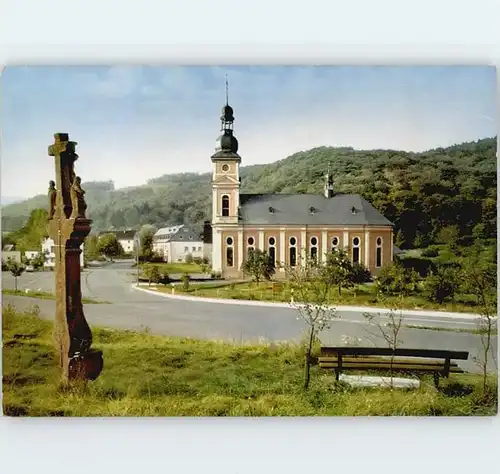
x,y
270,304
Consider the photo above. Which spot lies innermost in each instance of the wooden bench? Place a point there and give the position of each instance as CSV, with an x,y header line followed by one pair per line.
x,y
436,362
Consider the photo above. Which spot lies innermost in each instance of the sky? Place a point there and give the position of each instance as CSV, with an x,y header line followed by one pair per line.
x,y
133,123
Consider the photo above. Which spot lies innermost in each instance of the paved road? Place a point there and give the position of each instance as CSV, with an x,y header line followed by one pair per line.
x,y
136,310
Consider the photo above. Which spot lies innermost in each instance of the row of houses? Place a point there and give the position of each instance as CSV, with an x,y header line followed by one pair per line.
x,y
173,243
47,249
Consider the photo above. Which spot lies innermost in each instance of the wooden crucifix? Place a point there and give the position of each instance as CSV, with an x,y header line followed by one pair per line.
x,y
68,227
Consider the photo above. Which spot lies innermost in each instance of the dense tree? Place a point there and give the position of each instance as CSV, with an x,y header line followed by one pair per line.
x,y
338,270
108,245
394,279
442,284
30,236
146,235
258,266
91,248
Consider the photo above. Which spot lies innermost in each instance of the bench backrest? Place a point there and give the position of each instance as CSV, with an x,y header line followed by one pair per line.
x,y
386,351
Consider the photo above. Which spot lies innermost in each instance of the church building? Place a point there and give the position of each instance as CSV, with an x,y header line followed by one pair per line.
x,y
288,227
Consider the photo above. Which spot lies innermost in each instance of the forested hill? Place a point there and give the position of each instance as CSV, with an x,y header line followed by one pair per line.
x,y
419,192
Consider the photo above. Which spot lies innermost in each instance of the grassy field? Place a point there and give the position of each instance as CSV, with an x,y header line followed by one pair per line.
x,y
46,296
146,375
361,295
177,267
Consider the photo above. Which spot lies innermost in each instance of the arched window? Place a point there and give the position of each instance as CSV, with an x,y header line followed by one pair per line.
x,y
229,252
355,250
272,251
335,244
225,206
250,246
378,257
314,248
292,251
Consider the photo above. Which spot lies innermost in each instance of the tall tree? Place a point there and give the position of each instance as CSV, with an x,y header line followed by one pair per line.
x,y
109,246
16,268
146,235
258,266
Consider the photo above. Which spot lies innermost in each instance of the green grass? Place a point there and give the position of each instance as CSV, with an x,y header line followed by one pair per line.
x,y
43,295
146,375
177,267
360,295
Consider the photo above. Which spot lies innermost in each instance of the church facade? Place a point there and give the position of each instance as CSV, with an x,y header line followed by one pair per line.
x,y
288,227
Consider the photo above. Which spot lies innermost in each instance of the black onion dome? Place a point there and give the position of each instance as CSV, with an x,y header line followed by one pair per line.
x,y
227,114
227,142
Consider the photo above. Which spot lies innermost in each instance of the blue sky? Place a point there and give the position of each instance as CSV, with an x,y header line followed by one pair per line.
x,y
135,123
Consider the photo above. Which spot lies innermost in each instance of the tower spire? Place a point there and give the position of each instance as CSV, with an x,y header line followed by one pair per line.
x,y
227,92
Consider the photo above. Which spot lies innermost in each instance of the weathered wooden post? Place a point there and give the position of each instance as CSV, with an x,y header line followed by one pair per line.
x,y
68,227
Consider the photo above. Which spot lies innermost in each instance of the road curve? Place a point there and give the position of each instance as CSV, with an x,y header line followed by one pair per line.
x,y
134,309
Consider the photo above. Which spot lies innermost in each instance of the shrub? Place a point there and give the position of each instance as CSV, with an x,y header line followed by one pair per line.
x,y
423,266
198,260
360,274
216,275
431,251
258,266
185,281
188,258
442,284
395,279
164,278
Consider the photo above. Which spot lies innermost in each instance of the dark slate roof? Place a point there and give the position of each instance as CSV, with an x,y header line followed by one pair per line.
x,y
308,209
179,233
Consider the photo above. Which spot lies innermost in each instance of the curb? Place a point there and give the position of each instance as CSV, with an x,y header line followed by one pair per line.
x,y
357,309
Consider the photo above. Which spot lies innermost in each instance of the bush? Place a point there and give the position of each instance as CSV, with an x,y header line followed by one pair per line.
x,y
442,284
423,266
198,260
360,274
185,281
164,278
432,251
394,279
215,275
188,258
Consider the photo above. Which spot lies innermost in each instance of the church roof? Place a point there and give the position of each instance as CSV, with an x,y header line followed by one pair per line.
x,y
308,209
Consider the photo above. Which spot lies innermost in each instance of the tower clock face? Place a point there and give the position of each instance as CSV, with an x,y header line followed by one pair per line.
x,y
225,168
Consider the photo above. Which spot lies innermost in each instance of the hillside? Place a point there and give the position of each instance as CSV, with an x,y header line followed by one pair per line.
x,y
419,192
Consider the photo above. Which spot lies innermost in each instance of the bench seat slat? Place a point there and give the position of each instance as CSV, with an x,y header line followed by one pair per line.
x,y
370,366
370,351
380,360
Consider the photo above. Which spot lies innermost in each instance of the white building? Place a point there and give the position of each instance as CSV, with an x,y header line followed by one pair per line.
x,y
31,254
176,242
49,249
126,238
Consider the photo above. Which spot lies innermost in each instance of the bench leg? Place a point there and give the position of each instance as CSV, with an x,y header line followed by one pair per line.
x,y
436,379
337,375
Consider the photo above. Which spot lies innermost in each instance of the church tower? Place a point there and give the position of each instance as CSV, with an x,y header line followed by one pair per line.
x,y
225,182
226,171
